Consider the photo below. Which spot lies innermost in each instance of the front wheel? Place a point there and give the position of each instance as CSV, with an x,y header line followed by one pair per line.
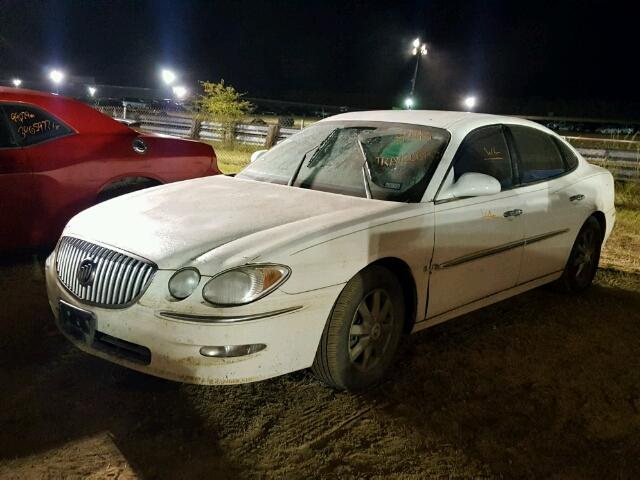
x,y
583,261
363,332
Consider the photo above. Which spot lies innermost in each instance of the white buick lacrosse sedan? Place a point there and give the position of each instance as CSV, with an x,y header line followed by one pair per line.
x,y
329,247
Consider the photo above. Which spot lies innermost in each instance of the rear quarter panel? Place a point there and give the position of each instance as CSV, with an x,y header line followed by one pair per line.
x,y
69,172
600,183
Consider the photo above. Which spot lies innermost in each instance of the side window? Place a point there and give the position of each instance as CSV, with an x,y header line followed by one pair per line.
x,y
485,151
570,158
538,154
32,125
6,138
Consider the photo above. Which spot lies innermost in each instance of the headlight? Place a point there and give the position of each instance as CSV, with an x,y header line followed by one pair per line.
x,y
184,282
244,284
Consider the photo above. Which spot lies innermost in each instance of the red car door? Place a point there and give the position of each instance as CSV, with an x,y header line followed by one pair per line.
x,y
16,190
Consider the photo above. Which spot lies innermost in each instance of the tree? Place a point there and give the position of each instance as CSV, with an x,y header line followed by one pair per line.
x,y
222,103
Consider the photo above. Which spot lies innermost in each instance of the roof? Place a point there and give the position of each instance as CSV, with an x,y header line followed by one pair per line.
x,y
79,116
432,118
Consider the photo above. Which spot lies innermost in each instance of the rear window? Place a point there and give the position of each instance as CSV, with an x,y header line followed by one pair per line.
x,y
539,157
32,125
570,158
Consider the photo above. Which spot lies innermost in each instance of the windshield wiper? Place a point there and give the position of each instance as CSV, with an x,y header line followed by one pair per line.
x,y
366,174
297,170
321,146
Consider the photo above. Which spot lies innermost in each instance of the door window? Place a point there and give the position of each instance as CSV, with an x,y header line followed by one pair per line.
x,y
485,151
32,125
539,157
6,138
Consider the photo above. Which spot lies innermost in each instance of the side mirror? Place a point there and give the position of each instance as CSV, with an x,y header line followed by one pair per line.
x,y
257,154
473,184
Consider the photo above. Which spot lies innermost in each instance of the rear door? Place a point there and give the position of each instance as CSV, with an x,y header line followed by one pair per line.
x,y
16,189
554,206
478,240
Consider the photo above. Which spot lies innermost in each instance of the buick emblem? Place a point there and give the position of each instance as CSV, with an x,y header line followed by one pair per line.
x,y
86,272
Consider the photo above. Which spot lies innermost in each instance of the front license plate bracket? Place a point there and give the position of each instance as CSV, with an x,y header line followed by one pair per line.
x,y
76,322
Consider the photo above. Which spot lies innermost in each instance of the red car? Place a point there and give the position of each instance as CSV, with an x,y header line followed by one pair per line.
x,y
59,156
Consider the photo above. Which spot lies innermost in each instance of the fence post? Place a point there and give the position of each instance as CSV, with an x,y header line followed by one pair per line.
x,y
272,136
196,125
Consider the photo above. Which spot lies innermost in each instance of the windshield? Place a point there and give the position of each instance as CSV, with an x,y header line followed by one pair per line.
x,y
380,160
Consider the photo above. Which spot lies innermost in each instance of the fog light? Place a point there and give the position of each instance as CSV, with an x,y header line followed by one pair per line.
x,y
227,351
183,283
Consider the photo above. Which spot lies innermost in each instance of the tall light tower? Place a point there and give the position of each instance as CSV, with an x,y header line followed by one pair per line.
x,y
168,76
419,50
56,76
469,103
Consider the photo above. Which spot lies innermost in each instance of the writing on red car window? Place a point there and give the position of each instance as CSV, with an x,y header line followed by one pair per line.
x,y
37,127
20,117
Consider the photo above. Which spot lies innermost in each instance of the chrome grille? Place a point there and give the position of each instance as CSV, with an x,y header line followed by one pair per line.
x,y
118,279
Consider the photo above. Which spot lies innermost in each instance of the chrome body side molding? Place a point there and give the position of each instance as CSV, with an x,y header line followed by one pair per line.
x,y
499,249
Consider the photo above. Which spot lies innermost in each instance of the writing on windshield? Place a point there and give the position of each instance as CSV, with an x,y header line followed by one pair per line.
x,y
380,160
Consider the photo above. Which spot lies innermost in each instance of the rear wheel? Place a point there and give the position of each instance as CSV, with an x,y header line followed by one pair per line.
x,y
583,261
363,332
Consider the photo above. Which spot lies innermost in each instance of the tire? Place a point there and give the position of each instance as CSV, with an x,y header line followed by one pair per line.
x,y
583,261
358,345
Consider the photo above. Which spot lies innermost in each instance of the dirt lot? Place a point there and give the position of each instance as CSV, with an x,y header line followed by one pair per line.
x,y
539,386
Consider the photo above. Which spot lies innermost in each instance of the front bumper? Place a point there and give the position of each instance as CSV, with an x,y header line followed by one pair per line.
x,y
291,335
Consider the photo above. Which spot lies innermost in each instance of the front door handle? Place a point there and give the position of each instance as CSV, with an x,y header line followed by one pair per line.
x,y
513,213
576,198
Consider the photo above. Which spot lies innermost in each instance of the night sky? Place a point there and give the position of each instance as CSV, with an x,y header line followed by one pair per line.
x,y
345,52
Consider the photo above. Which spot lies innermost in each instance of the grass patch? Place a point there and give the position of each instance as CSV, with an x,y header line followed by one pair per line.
x,y
628,195
622,251
233,157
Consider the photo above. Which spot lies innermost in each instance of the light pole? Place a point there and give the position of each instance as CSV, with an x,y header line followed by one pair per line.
x,y
408,102
16,82
419,50
56,76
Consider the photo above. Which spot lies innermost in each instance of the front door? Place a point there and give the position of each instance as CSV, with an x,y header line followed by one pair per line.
x,y
478,240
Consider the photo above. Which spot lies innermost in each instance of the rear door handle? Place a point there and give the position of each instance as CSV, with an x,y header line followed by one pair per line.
x,y
513,213
576,198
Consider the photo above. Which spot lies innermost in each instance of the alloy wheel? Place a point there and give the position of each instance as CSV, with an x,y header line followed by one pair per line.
x,y
371,329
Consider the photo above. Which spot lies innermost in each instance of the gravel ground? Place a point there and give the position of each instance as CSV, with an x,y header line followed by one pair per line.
x,y
538,386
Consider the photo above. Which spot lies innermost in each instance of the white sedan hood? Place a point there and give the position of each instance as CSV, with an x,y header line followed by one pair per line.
x,y
174,224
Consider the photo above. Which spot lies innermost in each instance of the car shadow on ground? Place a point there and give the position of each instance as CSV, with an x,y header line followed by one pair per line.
x,y
536,386
54,394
